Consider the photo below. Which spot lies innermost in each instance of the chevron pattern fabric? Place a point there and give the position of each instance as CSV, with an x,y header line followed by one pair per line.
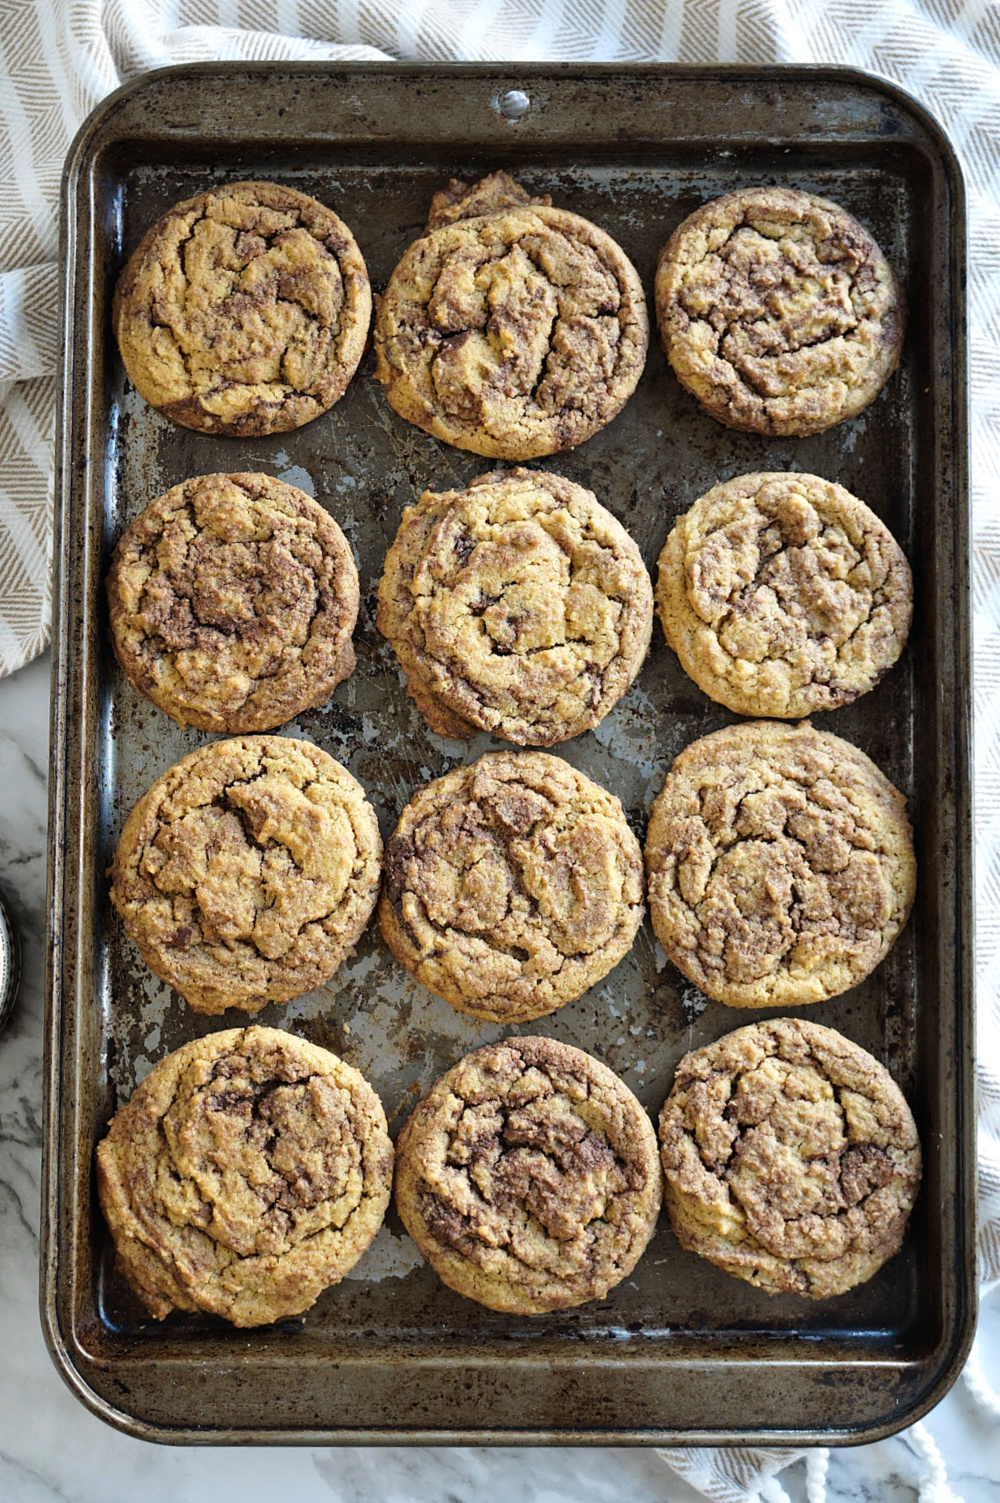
x,y
58,58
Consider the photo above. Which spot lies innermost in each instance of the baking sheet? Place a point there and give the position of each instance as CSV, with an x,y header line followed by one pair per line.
x,y
678,1352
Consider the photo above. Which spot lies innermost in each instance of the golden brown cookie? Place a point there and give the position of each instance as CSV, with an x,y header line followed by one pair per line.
x,y
528,1177
243,311
783,594
518,606
249,1171
778,311
791,1158
510,328
511,886
248,871
233,599
780,865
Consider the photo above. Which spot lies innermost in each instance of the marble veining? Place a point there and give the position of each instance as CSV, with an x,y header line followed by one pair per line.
x,y
52,1448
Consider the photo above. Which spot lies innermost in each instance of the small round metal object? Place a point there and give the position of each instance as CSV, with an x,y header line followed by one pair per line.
x,y
514,104
10,965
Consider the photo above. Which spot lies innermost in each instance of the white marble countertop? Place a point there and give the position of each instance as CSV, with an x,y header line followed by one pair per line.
x,y
51,1447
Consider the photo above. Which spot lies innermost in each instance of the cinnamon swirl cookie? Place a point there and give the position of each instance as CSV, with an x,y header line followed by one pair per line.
x,y
248,871
511,886
243,311
518,606
528,1177
232,600
510,328
778,311
783,594
780,864
791,1158
249,1171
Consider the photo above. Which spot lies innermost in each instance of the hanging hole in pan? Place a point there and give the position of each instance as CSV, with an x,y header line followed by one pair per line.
x,y
514,105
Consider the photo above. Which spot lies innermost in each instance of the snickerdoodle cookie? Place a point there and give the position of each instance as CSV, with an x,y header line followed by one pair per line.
x,y
528,1177
791,1158
780,865
511,886
778,311
510,328
783,594
519,606
247,872
243,311
249,1171
233,599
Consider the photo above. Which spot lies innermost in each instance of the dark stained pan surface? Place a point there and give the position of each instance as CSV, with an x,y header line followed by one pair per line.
x,y
679,1353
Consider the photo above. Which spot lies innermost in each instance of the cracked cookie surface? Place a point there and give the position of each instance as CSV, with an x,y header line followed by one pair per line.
x,y
780,865
519,606
791,1158
248,871
232,600
778,311
783,594
510,328
248,1172
528,1177
244,311
511,886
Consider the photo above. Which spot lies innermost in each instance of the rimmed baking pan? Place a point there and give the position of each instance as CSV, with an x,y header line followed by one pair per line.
x,y
679,1353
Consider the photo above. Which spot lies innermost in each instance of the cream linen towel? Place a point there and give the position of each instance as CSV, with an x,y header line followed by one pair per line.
x,y
58,59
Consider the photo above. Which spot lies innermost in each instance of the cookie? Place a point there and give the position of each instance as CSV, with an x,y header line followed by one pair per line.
x,y
778,311
249,1171
518,606
511,886
232,601
248,871
244,311
780,865
791,1158
783,594
510,328
528,1177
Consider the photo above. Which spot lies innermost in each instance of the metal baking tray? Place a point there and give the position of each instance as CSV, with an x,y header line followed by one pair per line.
x,y
679,1353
